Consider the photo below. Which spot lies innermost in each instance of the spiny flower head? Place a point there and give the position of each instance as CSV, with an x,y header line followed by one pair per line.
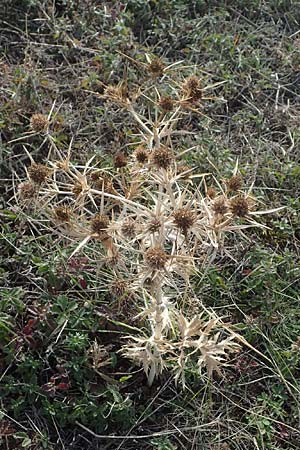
x,y
128,228
141,154
101,181
162,157
184,219
192,88
62,214
99,223
156,67
240,206
39,123
38,173
154,225
192,83
120,160
96,175
118,288
156,258
63,165
27,190
117,94
77,188
235,183
166,103
220,206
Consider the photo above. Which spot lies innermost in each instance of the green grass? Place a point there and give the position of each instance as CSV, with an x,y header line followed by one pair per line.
x,y
52,311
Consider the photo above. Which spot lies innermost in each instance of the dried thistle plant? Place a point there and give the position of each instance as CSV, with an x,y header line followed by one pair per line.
x,y
155,220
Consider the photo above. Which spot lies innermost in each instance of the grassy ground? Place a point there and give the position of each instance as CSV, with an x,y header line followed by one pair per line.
x,y
52,55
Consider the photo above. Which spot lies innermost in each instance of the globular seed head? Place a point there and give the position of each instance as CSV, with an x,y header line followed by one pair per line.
x,y
38,173
192,88
118,288
39,123
156,258
120,160
141,154
102,181
154,225
184,219
192,83
62,165
156,67
240,206
99,223
77,188
235,183
117,94
26,190
166,103
162,157
197,95
128,228
95,175
62,214
220,206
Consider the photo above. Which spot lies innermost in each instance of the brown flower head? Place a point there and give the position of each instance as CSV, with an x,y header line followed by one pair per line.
x,y
118,94
38,173
102,181
156,258
77,188
39,123
128,228
162,157
62,214
141,154
118,288
154,225
156,67
166,103
220,206
192,88
120,160
240,206
95,175
192,83
63,165
234,183
99,224
184,219
27,190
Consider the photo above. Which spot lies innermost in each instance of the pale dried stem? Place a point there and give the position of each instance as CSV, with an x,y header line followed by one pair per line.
x,y
157,293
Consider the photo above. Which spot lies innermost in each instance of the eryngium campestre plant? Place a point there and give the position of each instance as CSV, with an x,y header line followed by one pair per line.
x,y
155,221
